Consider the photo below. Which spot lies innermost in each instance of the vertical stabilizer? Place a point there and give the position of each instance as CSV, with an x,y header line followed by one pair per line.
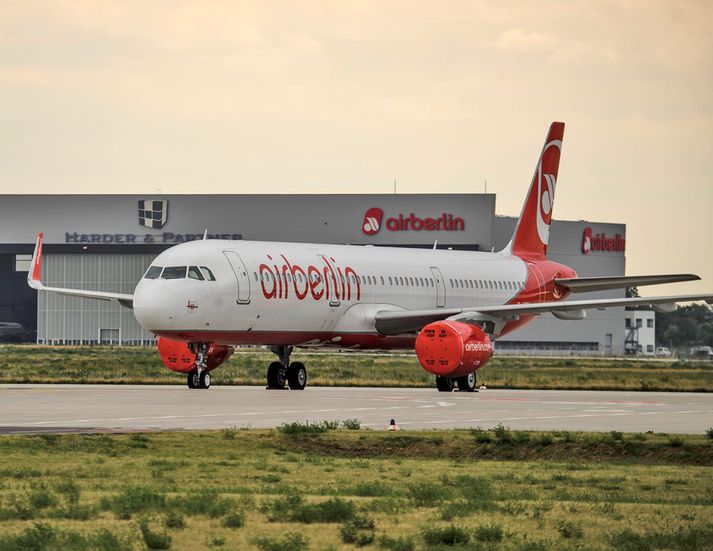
x,y
532,232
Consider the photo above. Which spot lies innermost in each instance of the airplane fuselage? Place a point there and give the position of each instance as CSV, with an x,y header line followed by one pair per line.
x,y
318,295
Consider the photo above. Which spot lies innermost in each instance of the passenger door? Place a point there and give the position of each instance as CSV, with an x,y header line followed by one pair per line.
x,y
241,276
440,287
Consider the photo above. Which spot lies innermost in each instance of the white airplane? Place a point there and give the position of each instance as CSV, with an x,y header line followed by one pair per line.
x,y
202,298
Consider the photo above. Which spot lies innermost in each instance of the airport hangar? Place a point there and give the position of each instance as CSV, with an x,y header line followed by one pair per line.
x,y
106,242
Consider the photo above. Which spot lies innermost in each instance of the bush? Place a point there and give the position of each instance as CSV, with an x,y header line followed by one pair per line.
x,y
290,542
371,489
204,502
234,520
216,541
294,509
492,533
675,441
396,544
358,530
449,535
427,494
135,499
69,490
481,436
569,530
41,498
154,540
307,428
174,520
709,433
545,439
351,424
502,434
616,435
229,433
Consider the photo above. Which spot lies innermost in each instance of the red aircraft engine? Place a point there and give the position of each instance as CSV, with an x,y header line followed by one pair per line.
x,y
176,355
452,348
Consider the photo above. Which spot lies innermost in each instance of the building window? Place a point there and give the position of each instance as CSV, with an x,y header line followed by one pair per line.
x,y
650,323
650,348
639,322
23,262
628,323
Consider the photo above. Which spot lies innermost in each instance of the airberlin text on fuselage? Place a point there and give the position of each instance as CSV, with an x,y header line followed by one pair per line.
x,y
328,281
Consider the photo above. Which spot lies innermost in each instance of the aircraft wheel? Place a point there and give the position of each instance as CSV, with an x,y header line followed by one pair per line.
x,y
276,375
193,379
205,380
297,376
444,384
467,383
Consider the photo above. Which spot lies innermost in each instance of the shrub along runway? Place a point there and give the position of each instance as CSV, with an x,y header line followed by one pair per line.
x,y
70,408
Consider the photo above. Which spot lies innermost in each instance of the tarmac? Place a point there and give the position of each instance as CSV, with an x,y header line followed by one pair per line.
x,y
45,408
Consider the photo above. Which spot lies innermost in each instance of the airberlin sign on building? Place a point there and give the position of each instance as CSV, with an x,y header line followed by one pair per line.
x,y
374,219
602,243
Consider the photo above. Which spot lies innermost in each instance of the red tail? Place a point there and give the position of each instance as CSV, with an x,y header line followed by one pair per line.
x,y
532,232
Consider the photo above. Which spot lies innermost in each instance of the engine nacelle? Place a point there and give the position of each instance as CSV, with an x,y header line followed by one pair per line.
x,y
177,356
452,348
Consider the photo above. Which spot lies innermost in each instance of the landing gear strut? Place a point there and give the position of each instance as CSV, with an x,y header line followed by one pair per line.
x,y
465,383
281,372
199,377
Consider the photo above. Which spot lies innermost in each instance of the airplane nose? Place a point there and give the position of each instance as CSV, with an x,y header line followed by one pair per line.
x,y
151,306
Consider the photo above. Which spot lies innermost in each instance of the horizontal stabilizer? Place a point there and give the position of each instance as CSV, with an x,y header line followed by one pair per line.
x,y
590,284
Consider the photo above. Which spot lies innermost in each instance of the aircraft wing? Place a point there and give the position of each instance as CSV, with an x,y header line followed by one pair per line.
x,y
589,284
405,321
34,281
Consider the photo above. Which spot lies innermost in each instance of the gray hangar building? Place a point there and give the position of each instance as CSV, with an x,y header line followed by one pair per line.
x,y
106,242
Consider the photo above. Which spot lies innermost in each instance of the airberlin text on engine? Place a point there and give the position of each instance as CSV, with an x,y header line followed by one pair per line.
x,y
326,281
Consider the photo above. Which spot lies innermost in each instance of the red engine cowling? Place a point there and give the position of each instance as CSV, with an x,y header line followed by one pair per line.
x,y
452,348
176,355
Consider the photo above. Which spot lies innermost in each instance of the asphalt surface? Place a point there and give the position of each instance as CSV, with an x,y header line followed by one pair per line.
x,y
100,408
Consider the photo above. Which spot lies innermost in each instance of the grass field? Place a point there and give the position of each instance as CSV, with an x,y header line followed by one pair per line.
x,y
33,364
310,487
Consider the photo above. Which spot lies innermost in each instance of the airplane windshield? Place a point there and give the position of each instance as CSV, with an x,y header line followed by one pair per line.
x,y
195,273
174,272
153,272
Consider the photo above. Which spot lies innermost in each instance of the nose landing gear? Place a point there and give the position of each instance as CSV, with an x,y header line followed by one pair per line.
x,y
282,372
465,383
199,377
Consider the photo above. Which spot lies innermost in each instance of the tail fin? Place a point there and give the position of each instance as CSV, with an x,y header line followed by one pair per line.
x,y
532,232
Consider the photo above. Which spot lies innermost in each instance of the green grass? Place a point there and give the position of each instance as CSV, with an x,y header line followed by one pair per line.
x,y
350,489
33,364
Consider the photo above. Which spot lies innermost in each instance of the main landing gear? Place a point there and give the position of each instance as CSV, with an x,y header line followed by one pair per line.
x,y
465,383
284,372
199,377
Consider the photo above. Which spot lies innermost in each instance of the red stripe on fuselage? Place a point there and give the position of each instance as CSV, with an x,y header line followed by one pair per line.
x,y
298,338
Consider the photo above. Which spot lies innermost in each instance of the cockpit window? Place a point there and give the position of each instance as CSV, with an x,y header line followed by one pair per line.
x,y
153,272
174,272
195,273
208,274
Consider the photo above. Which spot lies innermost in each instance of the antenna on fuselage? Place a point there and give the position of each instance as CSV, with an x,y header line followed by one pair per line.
x,y
205,234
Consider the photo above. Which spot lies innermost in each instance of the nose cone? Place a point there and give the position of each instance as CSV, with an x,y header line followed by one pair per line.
x,y
155,306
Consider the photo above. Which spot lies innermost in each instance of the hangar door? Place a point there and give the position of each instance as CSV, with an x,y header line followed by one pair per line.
x,y
241,276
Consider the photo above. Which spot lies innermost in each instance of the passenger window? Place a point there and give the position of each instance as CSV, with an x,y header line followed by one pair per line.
x,y
195,273
208,274
174,272
255,274
382,279
153,272
451,282
390,281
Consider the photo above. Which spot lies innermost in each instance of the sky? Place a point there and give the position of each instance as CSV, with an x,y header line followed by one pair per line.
x,y
307,96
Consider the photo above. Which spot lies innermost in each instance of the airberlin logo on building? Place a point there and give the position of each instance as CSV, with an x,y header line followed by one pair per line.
x,y
602,243
374,217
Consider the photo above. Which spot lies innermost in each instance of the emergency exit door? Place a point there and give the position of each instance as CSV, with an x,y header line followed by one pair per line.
x,y
241,276
440,287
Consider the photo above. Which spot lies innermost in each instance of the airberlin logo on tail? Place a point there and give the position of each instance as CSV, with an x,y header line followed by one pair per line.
x,y
372,221
374,217
602,243
546,184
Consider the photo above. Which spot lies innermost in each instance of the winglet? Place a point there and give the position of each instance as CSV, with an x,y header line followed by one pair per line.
x,y
33,276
